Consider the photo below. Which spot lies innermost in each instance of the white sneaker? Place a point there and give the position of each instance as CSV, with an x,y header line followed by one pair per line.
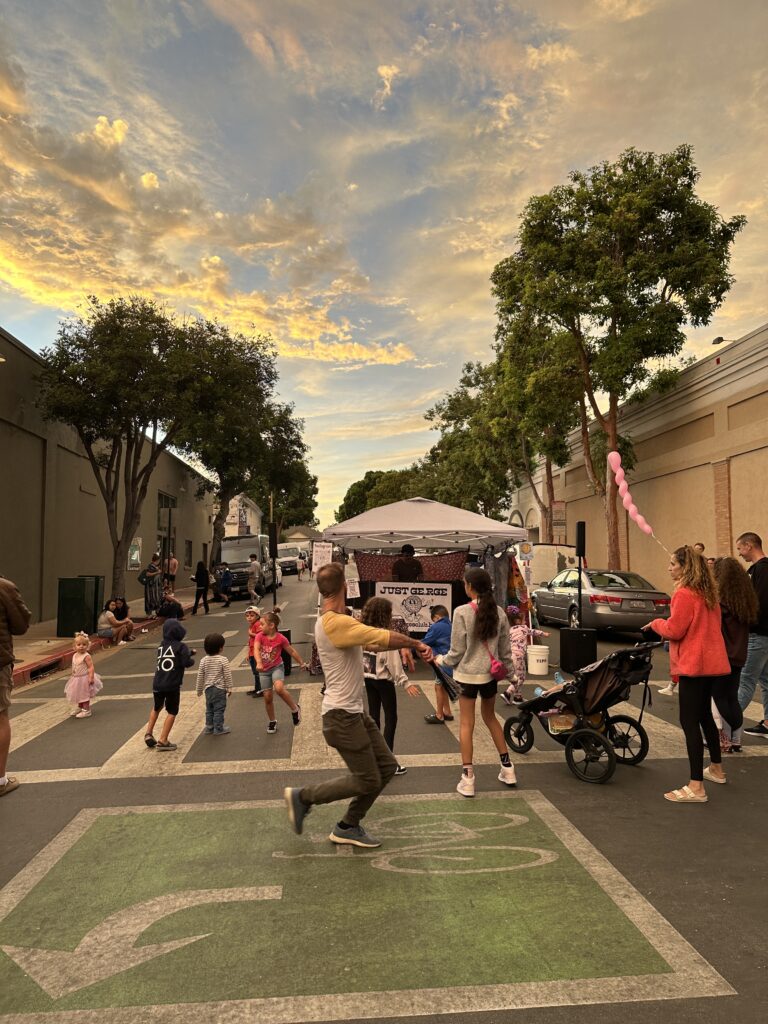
x,y
507,775
466,785
669,690
83,714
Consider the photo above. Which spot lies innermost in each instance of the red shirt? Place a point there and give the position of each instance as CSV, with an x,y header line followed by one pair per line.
x,y
696,645
253,631
272,649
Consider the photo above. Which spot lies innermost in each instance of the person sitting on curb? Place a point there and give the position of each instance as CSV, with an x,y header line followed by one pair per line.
x,y
14,621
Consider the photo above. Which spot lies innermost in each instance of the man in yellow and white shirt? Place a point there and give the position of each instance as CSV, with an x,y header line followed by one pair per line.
x,y
346,726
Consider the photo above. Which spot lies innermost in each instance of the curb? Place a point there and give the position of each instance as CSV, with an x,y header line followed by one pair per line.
x,y
62,657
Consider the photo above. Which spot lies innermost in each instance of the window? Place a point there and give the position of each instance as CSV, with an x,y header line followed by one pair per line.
x,y
205,555
187,554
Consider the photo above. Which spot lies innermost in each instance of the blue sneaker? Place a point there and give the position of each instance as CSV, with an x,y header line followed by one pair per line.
x,y
208,730
356,836
297,809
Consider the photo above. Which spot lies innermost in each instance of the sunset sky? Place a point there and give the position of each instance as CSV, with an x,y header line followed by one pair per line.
x,y
344,174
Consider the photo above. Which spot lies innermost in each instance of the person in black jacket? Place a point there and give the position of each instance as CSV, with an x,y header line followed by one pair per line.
x,y
173,656
202,580
739,609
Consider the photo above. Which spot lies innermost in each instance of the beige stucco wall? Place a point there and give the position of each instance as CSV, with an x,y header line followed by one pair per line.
x,y
702,471
52,517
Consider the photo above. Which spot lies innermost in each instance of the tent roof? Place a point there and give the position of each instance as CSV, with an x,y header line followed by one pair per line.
x,y
420,521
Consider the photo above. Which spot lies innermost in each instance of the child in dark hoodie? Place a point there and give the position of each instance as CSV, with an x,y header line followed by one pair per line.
x,y
173,657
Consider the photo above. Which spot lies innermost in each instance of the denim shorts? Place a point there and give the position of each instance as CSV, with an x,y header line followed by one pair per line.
x,y
267,678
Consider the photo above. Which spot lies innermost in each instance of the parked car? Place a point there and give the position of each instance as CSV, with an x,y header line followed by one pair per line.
x,y
609,600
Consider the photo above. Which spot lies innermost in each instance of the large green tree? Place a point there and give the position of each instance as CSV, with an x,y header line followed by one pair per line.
x,y
355,501
287,488
128,376
620,259
240,432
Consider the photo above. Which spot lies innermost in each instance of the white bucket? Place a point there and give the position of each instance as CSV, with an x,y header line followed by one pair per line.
x,y
538,660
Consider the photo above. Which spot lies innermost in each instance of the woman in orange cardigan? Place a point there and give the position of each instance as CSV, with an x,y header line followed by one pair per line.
x,y
698,656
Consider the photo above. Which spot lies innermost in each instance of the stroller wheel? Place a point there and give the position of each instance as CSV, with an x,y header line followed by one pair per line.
x,y
518,734
629,739
590,756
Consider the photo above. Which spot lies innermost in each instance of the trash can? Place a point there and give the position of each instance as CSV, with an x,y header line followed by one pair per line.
x,y
286,656
81,599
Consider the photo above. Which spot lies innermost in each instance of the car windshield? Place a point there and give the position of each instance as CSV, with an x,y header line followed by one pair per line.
x,y
618,581
288,552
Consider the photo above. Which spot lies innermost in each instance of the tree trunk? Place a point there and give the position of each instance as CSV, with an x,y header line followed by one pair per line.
x,y
611,490
545,510
219,525
119,559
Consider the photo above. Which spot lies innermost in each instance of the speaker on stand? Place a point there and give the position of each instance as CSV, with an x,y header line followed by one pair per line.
x,y
578,647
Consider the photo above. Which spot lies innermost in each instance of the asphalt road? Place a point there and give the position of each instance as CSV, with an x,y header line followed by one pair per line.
x,y
700,867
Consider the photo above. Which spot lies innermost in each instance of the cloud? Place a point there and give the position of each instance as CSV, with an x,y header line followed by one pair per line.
x,y
149,180
387,73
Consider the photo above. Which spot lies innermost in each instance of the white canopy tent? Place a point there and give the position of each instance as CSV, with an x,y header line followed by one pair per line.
x,y
423,523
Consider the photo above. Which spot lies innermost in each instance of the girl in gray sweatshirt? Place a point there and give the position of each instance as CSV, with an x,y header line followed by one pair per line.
x,y
479,635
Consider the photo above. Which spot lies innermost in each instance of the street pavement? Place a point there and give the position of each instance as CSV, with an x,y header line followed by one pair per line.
x,y
138,885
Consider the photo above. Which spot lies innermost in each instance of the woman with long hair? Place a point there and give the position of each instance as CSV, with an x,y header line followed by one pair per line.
x,y
479,636
739,609
697,655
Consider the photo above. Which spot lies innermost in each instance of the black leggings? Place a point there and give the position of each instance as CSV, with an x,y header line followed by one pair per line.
x,y
695,694
201,592
725,691
381,693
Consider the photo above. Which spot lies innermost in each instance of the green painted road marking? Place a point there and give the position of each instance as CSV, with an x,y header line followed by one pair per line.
x,y
497,875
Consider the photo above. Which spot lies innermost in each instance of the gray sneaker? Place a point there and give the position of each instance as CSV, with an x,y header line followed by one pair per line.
x,y
356,836
297,809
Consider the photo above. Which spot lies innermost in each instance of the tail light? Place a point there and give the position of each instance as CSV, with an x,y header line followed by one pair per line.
x,y
662,602
603,599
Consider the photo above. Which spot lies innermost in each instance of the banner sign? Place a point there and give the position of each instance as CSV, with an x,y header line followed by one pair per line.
x,y
412,601
353,588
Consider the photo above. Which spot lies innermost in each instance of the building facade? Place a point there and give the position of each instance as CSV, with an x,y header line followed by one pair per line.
x,y
702,465
244,517
53,520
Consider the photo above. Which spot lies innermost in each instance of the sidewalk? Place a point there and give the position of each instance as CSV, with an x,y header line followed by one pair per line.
x,y
40,651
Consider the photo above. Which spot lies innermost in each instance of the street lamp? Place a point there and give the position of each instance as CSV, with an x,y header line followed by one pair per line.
x,y
720,340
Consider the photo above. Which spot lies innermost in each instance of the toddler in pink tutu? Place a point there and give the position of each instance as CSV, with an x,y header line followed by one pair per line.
x,y
519,633
83,684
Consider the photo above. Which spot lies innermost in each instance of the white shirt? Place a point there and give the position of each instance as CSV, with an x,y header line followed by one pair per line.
x,y
340,640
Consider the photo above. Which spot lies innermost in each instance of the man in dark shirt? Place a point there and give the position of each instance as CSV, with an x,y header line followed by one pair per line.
x,y
407,569
750,548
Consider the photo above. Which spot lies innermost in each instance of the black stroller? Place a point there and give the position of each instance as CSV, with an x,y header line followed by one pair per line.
x,y
576,716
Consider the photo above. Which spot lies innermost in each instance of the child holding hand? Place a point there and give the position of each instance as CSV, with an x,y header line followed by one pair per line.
x,y
268,650
83,684
519,633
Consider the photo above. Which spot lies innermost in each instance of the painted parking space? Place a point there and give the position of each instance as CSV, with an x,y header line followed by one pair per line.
x,y
191,909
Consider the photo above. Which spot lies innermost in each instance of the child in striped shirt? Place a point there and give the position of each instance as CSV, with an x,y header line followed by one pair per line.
x,y
214,678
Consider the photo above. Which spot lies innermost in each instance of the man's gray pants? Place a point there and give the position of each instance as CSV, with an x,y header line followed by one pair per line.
x,y
370,761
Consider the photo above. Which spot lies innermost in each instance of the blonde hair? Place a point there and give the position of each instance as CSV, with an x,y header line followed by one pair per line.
x,y
697,575
82,635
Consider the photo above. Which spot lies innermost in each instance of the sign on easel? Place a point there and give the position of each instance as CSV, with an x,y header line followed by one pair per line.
x,y
322,554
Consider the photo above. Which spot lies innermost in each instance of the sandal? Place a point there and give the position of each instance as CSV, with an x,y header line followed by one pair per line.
x,y
150,740
685,796
710,777
433,720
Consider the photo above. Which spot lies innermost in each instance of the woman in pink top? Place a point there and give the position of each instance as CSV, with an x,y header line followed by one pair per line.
x,y
697,655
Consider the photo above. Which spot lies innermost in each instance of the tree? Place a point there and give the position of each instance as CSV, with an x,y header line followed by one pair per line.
x,y
619,259
468,469
239,431
127,376
397,485
355,501
287,484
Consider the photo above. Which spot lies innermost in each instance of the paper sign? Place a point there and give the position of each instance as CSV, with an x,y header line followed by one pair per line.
x,y
322,554
353,588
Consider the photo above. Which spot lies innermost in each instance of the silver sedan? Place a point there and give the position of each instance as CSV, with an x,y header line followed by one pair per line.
x,y
610,599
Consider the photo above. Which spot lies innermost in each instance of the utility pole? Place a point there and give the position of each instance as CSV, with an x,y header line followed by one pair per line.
x,y
273,547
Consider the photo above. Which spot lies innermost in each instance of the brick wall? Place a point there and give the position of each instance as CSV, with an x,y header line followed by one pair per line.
x,y
721,472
